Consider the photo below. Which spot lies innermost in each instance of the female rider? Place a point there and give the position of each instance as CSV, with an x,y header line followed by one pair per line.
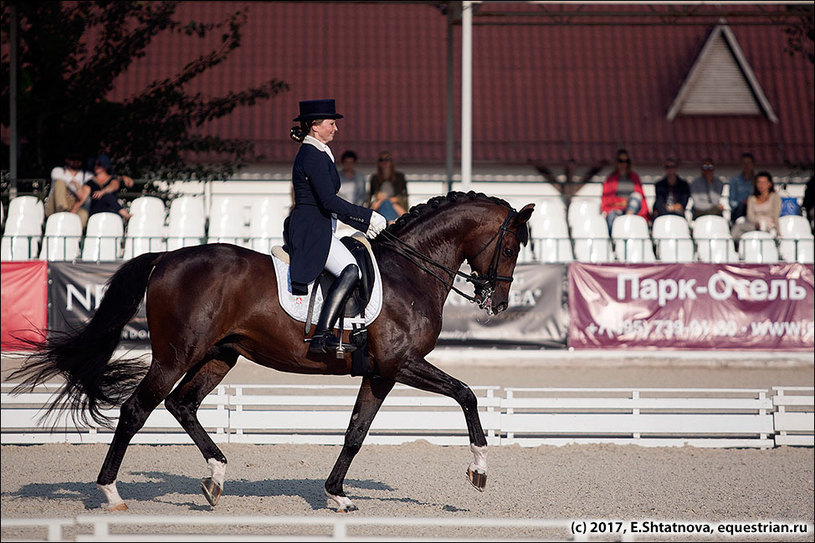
x,y
309,229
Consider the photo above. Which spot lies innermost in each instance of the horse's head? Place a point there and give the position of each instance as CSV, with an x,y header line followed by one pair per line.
x,y
497,245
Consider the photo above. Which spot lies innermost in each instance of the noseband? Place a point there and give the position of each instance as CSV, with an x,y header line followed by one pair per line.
x,y
483,286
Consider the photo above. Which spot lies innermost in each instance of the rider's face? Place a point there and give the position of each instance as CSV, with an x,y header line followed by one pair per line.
x,y
325,130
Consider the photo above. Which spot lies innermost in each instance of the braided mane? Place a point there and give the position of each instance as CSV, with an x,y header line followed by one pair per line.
x,y
421,210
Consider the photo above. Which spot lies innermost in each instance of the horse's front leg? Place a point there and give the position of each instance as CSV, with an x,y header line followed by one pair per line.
x,y
423,375
371,395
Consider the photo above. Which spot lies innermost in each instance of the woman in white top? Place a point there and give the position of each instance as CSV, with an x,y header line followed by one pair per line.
x,y
763,208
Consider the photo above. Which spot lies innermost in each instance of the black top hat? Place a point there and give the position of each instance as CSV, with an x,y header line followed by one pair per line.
x,y
311,110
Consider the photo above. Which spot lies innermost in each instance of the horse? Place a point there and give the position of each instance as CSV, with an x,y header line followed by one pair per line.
x,y
209,304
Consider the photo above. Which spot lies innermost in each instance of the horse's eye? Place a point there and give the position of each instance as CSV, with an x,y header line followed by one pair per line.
x,y
508,252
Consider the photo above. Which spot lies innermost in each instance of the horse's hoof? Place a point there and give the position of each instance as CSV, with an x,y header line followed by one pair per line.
x,y
212,491
121,506
478,479
342,503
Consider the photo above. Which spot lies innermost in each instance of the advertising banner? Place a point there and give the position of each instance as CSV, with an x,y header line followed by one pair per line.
x,y
24,302
537,314
74,293
692,306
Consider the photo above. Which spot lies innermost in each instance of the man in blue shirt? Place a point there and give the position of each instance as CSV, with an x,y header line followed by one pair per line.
x,y
741,187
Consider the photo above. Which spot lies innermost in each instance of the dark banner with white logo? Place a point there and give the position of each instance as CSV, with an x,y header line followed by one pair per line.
x,y
692,306
75,291
537,314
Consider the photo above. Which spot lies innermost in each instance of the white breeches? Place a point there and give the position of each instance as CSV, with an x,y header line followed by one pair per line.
x,y
339,257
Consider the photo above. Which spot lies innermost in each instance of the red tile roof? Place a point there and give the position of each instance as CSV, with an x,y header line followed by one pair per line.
x,y
543,92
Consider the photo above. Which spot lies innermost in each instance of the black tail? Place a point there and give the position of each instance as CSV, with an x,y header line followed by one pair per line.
x,y
82,357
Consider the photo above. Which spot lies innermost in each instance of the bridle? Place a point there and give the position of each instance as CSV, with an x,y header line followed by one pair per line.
x,y
484,287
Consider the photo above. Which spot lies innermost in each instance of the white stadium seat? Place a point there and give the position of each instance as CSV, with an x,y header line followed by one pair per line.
x,y
581,207
758,247
63,234
266,223
796,243
103,237
21,237
228,222
591,240
186,223
149,207
632,242
671,235
711,233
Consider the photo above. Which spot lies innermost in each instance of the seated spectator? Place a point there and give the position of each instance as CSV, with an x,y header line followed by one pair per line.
x,y
741,187
69,189
622,191
103,189
672,192
388,193
763,208
352,188
809,202
706,191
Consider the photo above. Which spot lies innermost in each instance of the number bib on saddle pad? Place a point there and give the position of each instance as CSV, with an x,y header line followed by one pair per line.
x,y
297,306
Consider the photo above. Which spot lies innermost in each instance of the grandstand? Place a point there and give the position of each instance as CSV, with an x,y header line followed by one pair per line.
x,y
249,211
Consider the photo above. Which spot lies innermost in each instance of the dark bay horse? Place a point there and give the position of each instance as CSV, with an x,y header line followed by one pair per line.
x,y
208,304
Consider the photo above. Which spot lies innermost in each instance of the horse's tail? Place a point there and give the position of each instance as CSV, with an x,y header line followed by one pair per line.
x,y
82,357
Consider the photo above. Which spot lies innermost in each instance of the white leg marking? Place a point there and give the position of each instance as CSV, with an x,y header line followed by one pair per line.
x,y
217,471
343,503
111,494
479,459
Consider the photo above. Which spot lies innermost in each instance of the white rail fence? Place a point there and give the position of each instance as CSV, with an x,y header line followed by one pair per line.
x,y
294,528
700,417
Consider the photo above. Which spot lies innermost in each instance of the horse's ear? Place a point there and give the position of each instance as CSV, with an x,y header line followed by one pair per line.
x,y
525,213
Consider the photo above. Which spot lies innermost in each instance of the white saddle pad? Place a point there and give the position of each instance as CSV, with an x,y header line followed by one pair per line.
x,y
296,305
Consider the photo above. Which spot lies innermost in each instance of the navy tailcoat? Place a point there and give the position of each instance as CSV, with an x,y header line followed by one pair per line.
x,y
307,230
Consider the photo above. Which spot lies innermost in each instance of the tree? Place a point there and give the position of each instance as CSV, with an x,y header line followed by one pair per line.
x,y
70,55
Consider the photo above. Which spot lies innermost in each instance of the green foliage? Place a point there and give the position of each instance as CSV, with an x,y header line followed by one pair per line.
x,y
70,55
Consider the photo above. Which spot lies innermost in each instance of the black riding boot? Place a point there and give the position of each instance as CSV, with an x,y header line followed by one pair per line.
x,y
324,340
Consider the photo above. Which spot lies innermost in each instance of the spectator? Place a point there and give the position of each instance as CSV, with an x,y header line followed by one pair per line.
x,y
706,191
809,202
622,191
741,187
352,188
672,192
763,208
388,189
104,187
69,189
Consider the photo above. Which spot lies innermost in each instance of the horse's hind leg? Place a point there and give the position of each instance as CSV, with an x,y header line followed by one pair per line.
x,y
184,402
133,414
371,395
423,375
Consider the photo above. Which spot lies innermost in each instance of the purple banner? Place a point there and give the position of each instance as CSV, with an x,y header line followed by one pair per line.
x,y
692,306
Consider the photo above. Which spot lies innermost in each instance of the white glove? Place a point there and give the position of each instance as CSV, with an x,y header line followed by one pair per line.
x,y
376,225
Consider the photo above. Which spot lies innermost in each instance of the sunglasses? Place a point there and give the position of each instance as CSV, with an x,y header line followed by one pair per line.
x,y
707,167
670,166
384,159
623,161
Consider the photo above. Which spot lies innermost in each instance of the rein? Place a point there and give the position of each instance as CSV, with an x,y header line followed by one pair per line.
x,y
487,285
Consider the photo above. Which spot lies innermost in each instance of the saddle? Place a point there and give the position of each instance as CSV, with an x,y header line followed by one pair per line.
x,y
361,310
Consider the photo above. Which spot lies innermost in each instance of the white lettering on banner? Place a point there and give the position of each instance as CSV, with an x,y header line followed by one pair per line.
x,y
72,292
720,287
662,329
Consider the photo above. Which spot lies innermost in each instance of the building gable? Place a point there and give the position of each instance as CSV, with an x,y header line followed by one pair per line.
x,y
721,82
